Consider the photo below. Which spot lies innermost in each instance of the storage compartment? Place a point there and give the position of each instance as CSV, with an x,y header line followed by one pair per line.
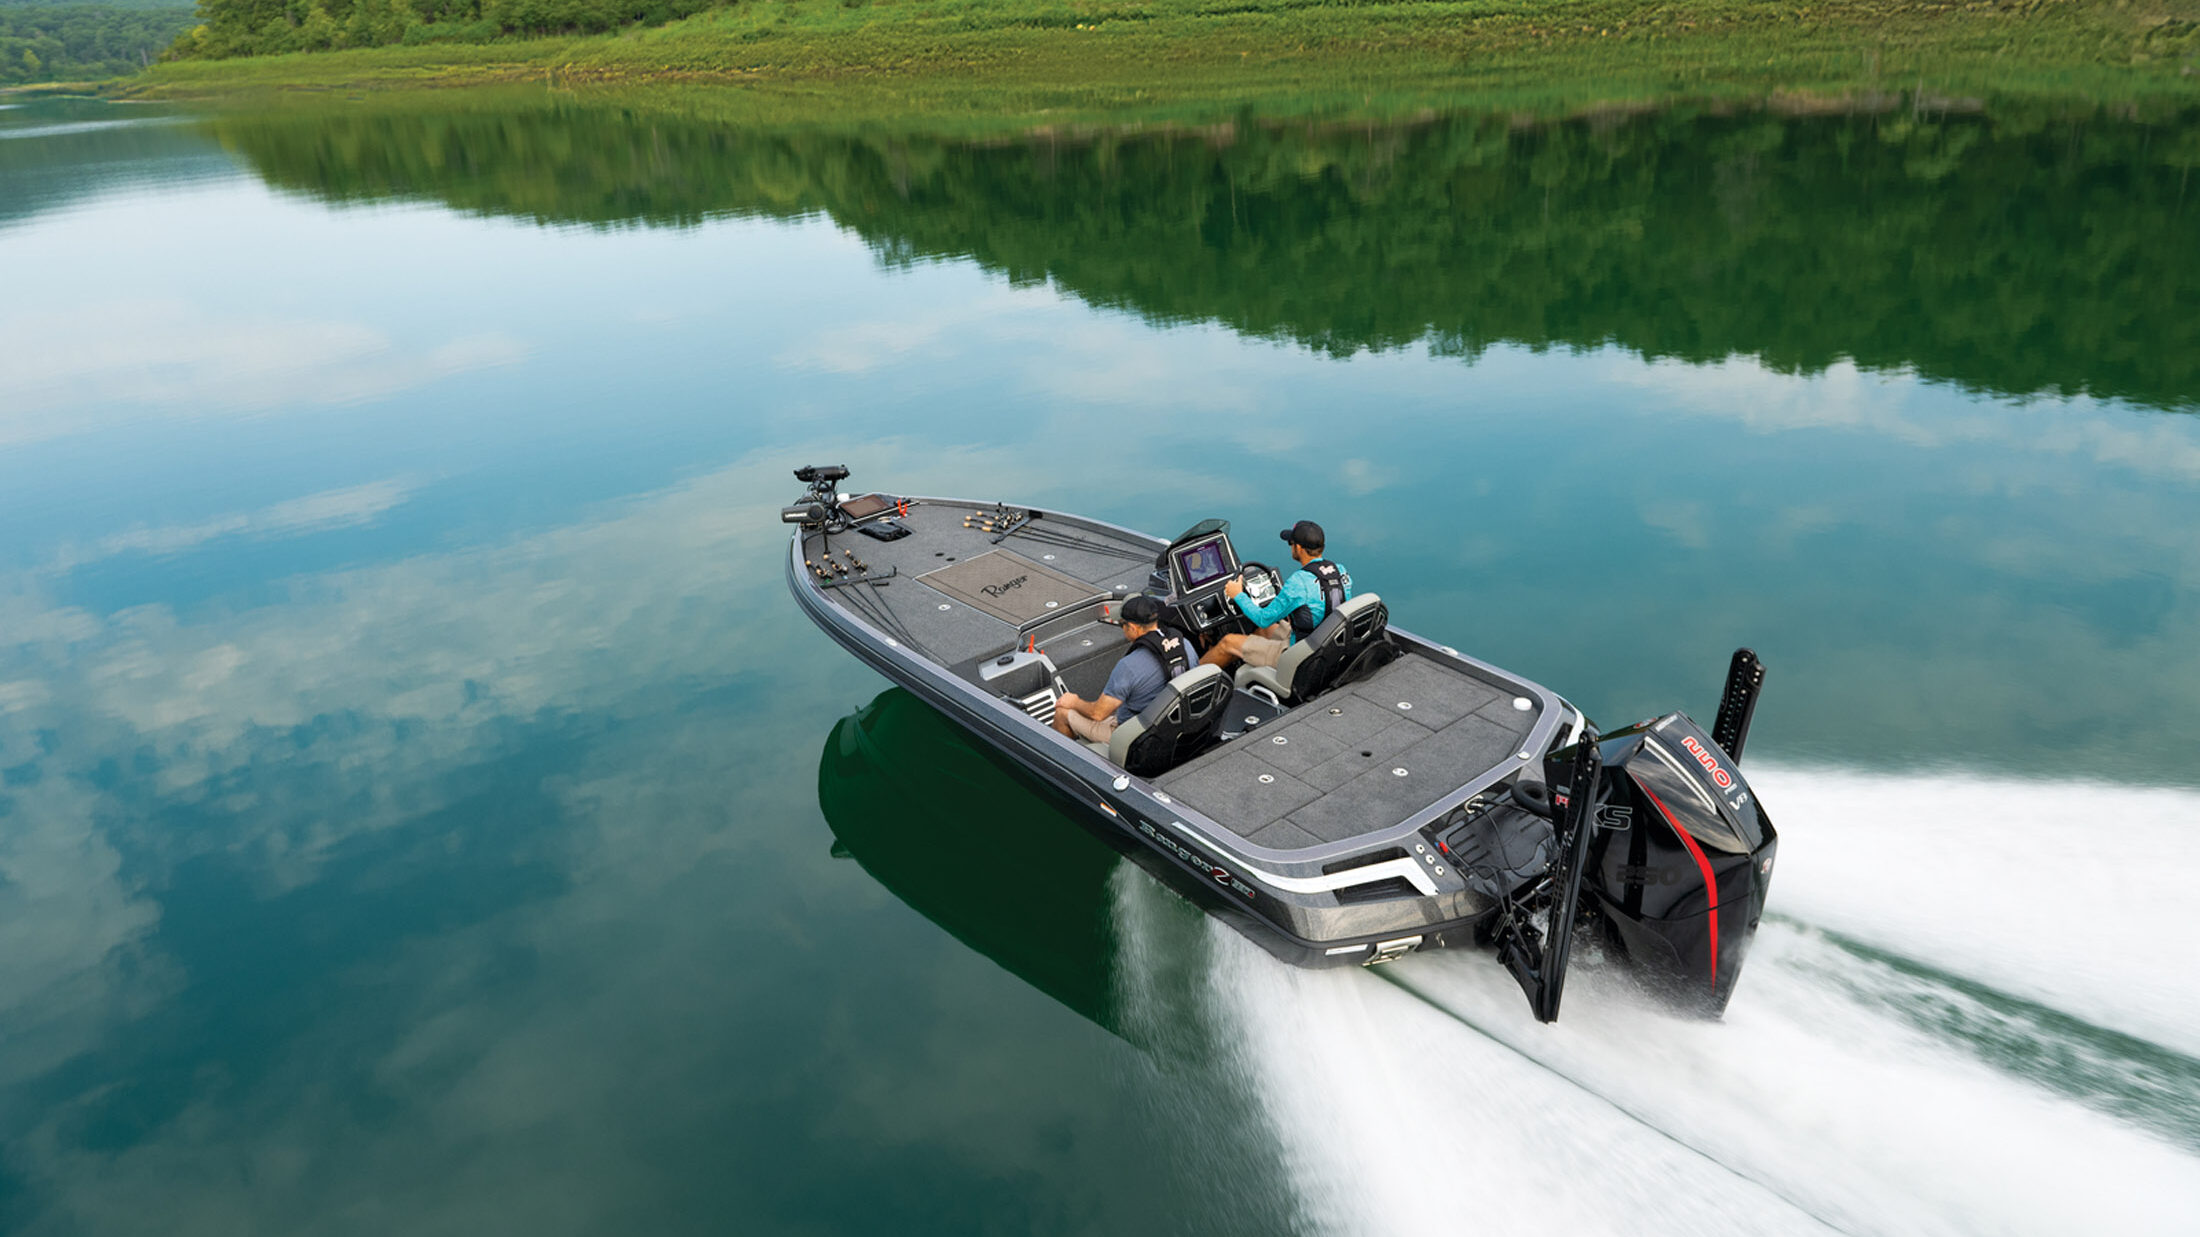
x,y
1014,675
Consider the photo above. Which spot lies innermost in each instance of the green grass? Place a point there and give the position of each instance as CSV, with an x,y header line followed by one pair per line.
x,y
1105,59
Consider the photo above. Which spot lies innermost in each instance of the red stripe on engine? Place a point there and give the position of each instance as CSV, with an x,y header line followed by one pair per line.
x,y
1703,865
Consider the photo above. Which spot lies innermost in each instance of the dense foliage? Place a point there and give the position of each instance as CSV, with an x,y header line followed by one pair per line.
x,y
2013,253
255,27
43,43
1774,42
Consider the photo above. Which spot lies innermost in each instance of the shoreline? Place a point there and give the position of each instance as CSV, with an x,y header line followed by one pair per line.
x,y
1382,59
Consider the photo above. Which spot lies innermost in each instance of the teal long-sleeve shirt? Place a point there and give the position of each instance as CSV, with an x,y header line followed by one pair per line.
x,y
1299,589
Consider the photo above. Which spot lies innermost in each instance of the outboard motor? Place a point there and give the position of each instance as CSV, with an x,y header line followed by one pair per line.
x,y
1652,833
1681,855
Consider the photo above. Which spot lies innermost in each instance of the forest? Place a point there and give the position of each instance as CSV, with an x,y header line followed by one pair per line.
x,y
83,42
259,27
2015,253
2068,46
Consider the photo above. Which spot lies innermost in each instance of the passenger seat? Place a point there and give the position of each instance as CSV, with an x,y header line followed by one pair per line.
x,y
1308,667
1183,721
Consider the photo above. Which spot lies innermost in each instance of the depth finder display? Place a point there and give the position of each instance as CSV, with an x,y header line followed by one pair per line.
x,y
1202,564
865,507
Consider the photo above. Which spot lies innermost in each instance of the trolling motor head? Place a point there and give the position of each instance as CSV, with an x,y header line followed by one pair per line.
x,y
821,502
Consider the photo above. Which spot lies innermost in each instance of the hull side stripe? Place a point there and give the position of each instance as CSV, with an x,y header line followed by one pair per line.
x,y
1703,865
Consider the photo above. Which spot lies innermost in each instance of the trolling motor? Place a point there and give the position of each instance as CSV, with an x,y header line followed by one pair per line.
x,y
1655,838
822,503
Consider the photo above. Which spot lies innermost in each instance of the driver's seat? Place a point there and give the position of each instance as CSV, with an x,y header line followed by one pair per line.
x,y
1183,721
1310,666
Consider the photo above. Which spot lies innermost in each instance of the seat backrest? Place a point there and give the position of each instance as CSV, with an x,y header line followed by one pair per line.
x,y
1183,721
1307,668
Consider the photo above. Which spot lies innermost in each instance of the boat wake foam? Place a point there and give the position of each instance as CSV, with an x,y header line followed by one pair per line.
x,y
1909,1053
2066,894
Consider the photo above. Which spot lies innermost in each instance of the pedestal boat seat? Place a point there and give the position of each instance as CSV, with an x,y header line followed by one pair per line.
x,y
1182,722
1310,666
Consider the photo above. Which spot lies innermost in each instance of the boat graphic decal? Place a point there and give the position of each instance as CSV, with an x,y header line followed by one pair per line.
x,y
1216,872
1703,865
1719,776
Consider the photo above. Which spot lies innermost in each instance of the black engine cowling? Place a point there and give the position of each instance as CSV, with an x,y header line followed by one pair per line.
x,y
1680,860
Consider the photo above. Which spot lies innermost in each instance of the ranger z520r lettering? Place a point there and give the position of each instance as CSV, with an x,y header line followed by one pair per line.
x,y
1372,794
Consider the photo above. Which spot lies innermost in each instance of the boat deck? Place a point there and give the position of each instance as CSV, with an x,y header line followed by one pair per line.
x,y
1364,756
943,608
1354,761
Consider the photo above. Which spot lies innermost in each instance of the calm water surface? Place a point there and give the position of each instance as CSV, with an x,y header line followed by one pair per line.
x,y
423,810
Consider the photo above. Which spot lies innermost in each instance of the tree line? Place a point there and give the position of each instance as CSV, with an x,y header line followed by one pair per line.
x,y
259,27
80,42
2013,253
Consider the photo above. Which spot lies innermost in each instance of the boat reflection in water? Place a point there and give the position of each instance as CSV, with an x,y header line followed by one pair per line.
x,y
974,849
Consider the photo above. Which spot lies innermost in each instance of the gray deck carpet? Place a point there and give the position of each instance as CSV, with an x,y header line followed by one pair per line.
x,y
1357,759
1332,778
964,629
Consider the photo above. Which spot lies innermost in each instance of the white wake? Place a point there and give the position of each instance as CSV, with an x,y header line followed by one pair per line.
x,y
1424,1099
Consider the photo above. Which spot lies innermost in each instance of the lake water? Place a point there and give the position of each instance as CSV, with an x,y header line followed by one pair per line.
x,y
423,810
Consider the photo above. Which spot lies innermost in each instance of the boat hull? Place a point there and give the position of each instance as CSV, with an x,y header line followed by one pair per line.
x,y
1399,796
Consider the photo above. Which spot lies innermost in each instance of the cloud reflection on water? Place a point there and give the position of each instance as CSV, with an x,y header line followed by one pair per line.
x,y
330,752
328,509
1885,404
95,365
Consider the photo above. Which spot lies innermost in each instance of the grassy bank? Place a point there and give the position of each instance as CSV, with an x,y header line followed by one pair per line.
x,y
1031,58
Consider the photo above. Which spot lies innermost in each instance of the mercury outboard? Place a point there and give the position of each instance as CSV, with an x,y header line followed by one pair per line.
x,y
1670,855
1372,795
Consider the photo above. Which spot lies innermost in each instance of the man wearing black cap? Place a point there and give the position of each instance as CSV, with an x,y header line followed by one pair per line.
x,y
1298,607
1157,655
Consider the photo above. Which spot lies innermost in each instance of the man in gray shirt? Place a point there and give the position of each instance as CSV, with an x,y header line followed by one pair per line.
x,y
1157,655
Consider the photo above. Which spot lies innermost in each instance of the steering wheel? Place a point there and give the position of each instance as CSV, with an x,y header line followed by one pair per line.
x,y
1262,582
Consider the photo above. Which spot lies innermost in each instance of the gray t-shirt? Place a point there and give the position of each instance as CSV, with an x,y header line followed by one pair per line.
x,y
1136,680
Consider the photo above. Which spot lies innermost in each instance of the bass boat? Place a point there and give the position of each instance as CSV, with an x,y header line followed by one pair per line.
x,y
1373,794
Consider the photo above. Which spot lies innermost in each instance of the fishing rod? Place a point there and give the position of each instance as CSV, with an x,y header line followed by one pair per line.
x,y
866,601
1003,524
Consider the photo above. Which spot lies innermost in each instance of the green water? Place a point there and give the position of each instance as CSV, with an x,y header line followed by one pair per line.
x,y
423,810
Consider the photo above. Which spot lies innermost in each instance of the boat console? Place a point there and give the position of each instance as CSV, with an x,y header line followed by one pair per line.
x,y
1193,572
1198,568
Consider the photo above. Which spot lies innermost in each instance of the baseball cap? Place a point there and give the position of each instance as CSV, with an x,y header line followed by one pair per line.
x,y
1305,533
1141,610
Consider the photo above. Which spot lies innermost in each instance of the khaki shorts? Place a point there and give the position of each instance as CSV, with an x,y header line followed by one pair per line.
x,y
1263,647
1089,730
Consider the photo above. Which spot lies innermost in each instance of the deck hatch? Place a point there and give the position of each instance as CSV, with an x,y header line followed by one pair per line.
x,y
1009,586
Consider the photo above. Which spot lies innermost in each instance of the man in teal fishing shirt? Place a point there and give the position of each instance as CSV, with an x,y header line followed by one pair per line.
x,y
1298,608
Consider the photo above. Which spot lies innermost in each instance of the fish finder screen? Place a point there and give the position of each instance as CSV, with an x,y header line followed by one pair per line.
x,y
865,507
1202,564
